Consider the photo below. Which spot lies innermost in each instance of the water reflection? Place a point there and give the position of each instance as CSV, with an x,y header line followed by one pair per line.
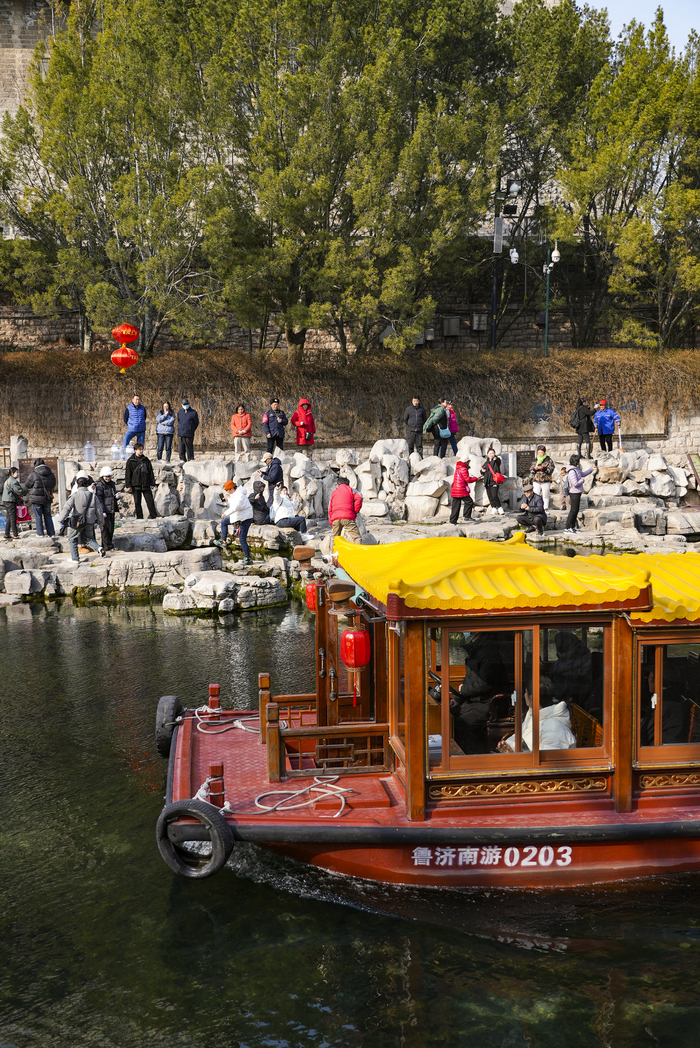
x,y
101,945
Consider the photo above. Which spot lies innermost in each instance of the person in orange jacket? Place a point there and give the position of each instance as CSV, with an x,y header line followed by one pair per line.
x,y
304,422
241,429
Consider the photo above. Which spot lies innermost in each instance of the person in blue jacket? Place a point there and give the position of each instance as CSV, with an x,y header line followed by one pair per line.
x,y
273,423
605,419
135,419
272,473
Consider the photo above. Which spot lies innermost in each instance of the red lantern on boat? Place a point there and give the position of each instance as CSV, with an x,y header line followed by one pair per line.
x,y
124,357
355,648
355,652
311,596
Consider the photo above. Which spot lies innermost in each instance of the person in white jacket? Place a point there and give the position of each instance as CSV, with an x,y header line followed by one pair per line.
x,y
238,511
284,513
555,723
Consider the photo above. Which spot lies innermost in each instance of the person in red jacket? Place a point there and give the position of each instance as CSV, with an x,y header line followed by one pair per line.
x,y
343,508
460,492
304,422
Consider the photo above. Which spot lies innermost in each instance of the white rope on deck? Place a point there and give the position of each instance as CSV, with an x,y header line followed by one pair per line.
x,y
224,725
325,787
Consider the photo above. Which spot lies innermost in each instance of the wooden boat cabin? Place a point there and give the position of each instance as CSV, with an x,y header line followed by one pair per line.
x,y
500,715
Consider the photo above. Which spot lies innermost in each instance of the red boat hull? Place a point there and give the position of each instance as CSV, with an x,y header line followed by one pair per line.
x,y
571,866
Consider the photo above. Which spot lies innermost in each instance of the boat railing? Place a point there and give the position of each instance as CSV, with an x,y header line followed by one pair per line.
x,y
294,709
341,749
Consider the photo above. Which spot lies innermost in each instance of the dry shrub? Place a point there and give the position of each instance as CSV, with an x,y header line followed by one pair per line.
x,y
61,396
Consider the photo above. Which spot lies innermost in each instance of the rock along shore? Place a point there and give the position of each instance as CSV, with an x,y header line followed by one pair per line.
x,y
637,502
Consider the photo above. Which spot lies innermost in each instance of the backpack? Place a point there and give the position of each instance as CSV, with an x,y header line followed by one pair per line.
x,y
574,420
80,520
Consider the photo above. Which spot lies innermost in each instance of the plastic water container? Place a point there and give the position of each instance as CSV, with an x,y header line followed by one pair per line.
x,y
127,452
116,451
88,452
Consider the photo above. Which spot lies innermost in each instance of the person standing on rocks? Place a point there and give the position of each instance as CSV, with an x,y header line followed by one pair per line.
x,y
40,488
490,469
12,493
273,423
574,481
452,425
414,419
81,512
343,508
135,419
272,474
187,423
303,421
541,474
165,430
606,419
261,512
533,515
106,495
582,422
241,429
239,511
284,513
437,423
139,478
461,492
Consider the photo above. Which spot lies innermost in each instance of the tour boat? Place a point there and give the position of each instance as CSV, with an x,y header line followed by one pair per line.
x,y
484,715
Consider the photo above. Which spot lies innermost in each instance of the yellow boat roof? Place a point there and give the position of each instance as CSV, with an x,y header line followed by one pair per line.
x,y
675,581
472,575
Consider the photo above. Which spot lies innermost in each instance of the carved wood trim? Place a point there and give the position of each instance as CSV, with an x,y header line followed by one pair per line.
x,y
518,786
669,780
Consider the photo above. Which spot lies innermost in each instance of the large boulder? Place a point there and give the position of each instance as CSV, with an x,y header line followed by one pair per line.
x,y
395,473
176,531
346,457
139,542
662,484
430,464
192,493
167,500
179,603
375,508
209,471
23,583
369,475
310,492
429,485
418,507
212,584
389,447
681,524
271,537
657,463
255,592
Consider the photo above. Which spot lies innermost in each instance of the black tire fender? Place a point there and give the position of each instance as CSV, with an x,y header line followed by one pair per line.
x,y
190,864
169,707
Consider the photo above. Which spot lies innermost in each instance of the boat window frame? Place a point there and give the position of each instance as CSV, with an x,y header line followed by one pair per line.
x,y
599,758
685,754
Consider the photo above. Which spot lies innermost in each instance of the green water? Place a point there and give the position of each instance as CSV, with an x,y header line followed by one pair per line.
x,y
100,944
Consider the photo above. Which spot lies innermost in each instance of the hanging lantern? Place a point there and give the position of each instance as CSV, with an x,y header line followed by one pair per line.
x,y
355,648
311,596
124,357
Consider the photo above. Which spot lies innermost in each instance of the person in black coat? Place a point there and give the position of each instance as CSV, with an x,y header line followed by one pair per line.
x,y
261,513
534,515
187,423
272,473
139,478
106,495
40,488
414,418
489,468
582,421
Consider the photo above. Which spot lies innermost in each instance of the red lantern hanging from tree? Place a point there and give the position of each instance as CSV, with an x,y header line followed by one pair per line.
x,y
124,357
355,651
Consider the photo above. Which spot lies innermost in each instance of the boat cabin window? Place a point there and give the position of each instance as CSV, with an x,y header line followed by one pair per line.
x,y
669,698
516,697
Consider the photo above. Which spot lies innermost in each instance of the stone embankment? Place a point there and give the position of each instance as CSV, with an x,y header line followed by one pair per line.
x,y
637,501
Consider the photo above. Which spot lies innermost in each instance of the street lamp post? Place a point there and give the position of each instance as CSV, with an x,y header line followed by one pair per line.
x,y
546,270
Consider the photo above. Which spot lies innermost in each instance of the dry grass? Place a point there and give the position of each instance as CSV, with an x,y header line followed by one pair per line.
x,y
60,396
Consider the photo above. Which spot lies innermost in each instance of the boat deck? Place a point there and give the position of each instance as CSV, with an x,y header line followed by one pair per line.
x,y
377,799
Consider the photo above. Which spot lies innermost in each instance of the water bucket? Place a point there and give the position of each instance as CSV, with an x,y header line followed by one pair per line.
x,y
116,451
88,452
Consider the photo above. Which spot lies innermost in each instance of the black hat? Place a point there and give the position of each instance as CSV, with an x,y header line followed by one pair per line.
x,y
274,400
